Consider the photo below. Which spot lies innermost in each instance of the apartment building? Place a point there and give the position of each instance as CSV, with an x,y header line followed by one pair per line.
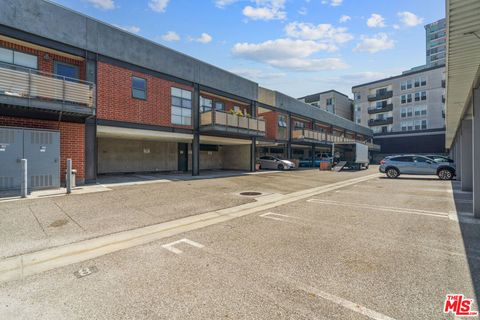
x,y
405,112
114,103
332,101
436,43
463,95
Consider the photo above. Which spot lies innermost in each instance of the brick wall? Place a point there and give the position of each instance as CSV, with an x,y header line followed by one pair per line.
x,y
72,140
271,124
115,102
46,65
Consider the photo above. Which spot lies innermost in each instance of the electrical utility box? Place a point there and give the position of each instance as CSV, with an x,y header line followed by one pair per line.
x,y
41,148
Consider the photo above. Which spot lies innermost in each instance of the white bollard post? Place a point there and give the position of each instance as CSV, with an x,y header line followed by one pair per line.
x,y
24,184
69,176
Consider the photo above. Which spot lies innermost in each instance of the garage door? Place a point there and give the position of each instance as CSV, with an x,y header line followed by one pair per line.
x,y
41,148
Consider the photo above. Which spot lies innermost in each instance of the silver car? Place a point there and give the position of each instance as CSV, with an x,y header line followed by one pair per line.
x,y
269,162
394,166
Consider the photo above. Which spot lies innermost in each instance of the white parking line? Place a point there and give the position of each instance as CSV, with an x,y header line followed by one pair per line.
x,y
274,216
170,246
435,214
372,314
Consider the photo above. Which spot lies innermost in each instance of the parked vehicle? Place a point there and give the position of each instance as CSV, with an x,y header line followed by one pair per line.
x,y
394,166
438,158
269,162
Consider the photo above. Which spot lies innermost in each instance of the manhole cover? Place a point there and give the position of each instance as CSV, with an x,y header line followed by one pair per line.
x,y
250,193
58,223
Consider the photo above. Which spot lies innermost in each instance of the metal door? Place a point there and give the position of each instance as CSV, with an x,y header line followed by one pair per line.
x,y
42,151
183,157
11,151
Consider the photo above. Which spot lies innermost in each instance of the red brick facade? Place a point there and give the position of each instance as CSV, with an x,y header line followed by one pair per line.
x,y
271,124
46,65
72,140
115,101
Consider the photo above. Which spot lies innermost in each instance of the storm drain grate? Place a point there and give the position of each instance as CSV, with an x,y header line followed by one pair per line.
x,y
85,272
250,193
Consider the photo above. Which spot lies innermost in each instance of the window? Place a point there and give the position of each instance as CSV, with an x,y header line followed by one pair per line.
x,y
282,127
424,95
66,70
424,124
423,81
359,120
409,84
282,121
404,98
330,108
402,159
409,98
329,101
409,112
407,125
220,106
420,111
205,104
299,125
181,107
359,97
417,124
417,96
404,112
139,88
421,159
417,83
18,58
403,86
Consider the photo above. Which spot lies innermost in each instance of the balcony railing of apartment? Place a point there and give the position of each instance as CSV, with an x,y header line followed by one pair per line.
x,y
383,108
318,136
380,95
380,122
226,122
37,89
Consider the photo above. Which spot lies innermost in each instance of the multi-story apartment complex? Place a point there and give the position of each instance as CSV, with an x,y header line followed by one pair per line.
x,y
76,88
436,43
332,101
405,112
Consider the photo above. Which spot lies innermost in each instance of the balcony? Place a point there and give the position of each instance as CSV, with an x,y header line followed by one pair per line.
x,y
224,122
308,135
380,96
380,122
40,90
383,108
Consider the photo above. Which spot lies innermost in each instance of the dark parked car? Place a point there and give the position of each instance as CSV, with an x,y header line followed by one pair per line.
x,y
394,166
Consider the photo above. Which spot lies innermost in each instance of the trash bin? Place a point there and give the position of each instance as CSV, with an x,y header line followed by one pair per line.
x,y
325,165
74,180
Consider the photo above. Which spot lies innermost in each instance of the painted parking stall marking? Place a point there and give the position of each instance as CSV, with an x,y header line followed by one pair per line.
x,y
274,216
435,214
171,246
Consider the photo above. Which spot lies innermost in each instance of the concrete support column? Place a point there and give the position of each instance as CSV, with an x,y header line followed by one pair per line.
x,y
91,159
313,156
289,144
196,131
253,155
476,152
458,155
466,158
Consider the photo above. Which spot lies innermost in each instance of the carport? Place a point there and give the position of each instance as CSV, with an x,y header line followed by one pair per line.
x,y
222,153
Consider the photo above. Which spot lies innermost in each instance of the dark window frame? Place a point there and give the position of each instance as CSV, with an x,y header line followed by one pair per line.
x,y
145,90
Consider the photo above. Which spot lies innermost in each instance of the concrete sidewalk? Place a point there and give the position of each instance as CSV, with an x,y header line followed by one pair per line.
x,y
36,224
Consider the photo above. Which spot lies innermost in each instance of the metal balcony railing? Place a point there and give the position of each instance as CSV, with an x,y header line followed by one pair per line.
x,y
32,84
380,95
380,122
384,108
222,121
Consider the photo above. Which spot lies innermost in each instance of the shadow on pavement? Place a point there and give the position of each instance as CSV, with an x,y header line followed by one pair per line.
x,y
470,229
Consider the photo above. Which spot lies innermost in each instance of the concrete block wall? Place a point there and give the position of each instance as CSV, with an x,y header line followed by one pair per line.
x,y
121,156
236,157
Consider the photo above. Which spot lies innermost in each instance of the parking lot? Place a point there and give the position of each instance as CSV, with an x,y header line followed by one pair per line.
x,y
349,245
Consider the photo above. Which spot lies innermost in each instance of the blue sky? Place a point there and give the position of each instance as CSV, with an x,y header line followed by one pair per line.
x,y
294,46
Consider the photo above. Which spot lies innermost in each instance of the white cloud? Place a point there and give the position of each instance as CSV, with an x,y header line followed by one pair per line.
x,y
396,26
171,36
266,10
204,38
158,5
257,74
103,4
375,43
409,19
132,29
336,3
325,32
288,54
303,11
333,3
223,3
376,21
344,18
